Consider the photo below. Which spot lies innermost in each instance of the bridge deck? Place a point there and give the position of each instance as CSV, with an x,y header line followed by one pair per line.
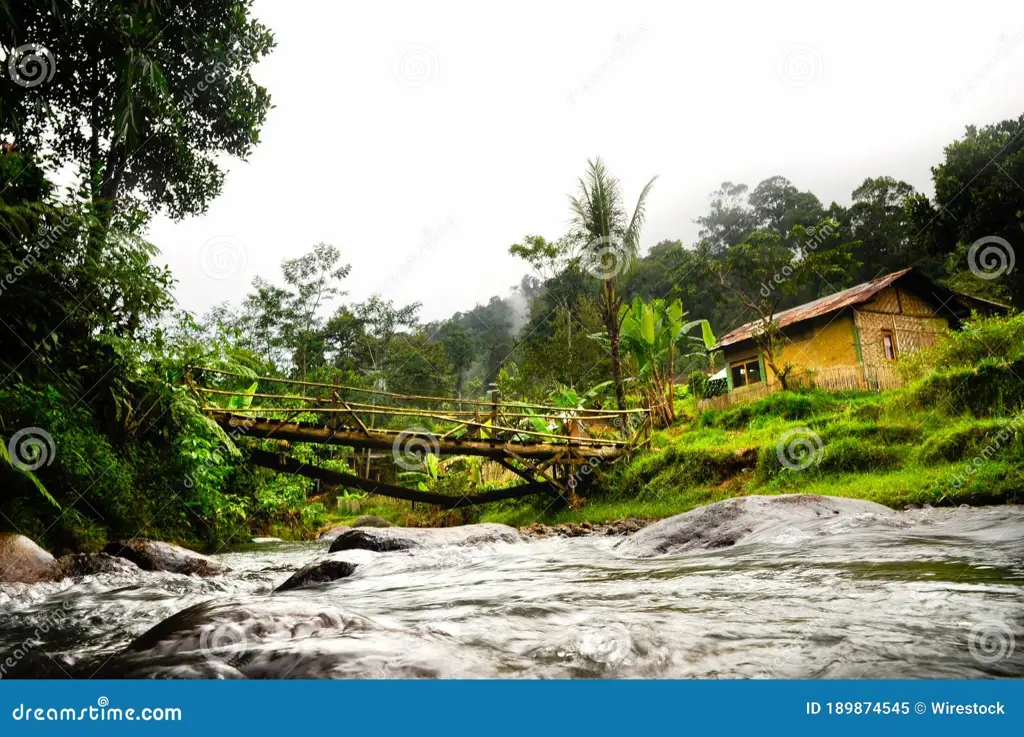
x,y
538,442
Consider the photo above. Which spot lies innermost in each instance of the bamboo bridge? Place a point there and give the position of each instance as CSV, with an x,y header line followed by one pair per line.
x,y
552,449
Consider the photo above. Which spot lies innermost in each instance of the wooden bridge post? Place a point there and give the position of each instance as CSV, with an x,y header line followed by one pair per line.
x,y
494,411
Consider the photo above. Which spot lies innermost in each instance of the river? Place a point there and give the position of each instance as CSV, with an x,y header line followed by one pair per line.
x,y
932,593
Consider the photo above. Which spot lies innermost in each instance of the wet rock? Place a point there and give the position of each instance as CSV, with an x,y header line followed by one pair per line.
x,y
22,561
370,520
321,571
729,522
617,528
405,538
264,638
153,555
89,564
261,540
332,534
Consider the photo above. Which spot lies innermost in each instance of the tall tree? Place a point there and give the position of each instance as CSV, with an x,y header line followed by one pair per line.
x,y
612,243
314,279
977,221
141,98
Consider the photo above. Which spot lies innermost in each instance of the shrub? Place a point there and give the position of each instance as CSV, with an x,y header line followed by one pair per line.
x,y
992,388
1001,338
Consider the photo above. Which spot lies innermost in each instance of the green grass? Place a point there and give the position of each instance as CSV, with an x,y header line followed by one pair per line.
x,y
908,447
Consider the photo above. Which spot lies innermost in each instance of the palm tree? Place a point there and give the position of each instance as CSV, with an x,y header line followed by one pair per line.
x,y
612,245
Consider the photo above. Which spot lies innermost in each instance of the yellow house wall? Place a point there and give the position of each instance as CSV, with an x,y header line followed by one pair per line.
x,y
822,346
828,343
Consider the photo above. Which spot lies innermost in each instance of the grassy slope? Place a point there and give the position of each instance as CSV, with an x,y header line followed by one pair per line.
x,y
901,448
955,436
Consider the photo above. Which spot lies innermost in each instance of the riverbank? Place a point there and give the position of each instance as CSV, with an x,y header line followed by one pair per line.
x,y
948,440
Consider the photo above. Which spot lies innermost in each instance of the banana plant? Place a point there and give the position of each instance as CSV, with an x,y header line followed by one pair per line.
x,y
650,334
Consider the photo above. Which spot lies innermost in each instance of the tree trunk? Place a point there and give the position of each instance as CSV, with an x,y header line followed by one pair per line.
x,y
611,322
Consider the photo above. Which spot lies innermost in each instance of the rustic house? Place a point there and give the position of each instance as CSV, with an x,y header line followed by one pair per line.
x,y
848,340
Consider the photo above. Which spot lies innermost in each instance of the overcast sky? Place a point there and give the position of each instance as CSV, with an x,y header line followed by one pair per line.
x,y
422,139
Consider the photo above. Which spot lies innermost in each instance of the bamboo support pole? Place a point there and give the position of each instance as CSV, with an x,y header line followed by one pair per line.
x,y
383,440
585,440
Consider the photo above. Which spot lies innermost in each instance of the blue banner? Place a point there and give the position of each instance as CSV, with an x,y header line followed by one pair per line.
x,y
485,708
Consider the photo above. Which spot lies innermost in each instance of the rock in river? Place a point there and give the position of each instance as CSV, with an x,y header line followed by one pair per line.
x,y
274,637
89,564
332,534
22,561
405,538
321,571
370,520
729,522
153,555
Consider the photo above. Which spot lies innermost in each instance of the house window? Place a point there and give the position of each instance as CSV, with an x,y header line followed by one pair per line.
x,y
889,345
745,372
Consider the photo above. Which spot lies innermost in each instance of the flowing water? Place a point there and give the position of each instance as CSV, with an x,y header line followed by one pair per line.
x,y
934,593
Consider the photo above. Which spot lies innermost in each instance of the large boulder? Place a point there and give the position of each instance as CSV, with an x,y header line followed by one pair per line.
x,y
22,561
153,555
332,534
265,637
321,571
407,538
729,522
89,564
371,520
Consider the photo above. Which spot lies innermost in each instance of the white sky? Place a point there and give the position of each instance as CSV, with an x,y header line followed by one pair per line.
x,y
422,139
